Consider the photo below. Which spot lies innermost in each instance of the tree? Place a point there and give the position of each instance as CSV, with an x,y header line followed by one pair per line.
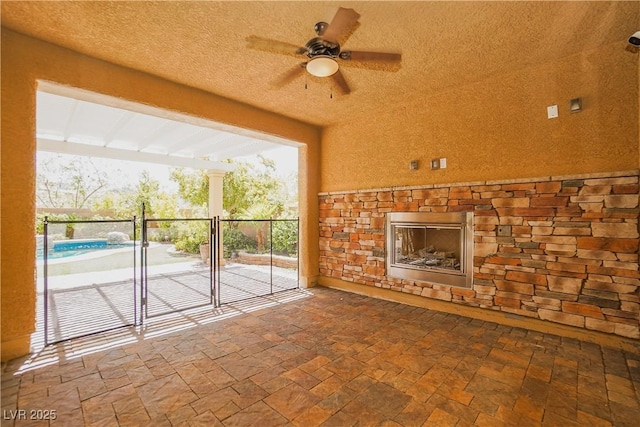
x,y
252,190
127,202
248,190
69,182
193,186
147,192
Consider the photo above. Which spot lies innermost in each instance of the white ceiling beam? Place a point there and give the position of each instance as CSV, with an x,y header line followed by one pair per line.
x,y
165,127
211,147
72,117
117,127
237,145
246,151
188,142
243,146
78,149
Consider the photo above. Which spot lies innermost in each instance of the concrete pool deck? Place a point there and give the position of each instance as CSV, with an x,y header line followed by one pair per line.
x,y
112,260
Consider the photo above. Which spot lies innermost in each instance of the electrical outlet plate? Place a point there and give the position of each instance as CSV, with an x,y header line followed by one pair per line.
x,y
435,164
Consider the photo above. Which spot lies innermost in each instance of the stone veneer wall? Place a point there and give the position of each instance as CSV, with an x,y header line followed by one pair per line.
x,y
561,249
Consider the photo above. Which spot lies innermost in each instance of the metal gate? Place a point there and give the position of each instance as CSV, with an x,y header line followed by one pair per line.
x,y
84,294
171,279
98,290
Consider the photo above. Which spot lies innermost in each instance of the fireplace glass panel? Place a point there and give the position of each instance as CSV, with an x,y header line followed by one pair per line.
x,y
427,247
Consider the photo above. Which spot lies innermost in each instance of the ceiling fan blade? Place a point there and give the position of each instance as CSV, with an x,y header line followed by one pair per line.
x,y
341,83
273,46
382,61
290,75
343,24
357,55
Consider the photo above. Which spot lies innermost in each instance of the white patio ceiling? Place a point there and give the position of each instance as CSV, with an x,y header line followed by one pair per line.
x,y
73,126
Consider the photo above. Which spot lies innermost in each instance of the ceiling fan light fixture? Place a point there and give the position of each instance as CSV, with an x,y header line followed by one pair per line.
x,y
322,66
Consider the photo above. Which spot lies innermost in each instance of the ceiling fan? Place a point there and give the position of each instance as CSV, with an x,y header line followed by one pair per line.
x,y
325,54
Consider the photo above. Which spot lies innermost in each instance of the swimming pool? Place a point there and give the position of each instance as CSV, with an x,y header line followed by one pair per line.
x,y
72,248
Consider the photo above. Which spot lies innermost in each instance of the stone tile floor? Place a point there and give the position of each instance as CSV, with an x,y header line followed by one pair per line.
x,y
323,357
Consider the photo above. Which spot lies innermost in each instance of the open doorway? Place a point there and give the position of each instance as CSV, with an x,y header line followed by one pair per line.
x,y
97,147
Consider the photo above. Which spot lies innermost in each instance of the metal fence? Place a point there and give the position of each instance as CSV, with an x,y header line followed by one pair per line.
x,y
96,275
257,257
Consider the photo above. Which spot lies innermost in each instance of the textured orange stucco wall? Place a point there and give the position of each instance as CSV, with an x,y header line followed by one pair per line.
x,y
24,62
498,128
18,207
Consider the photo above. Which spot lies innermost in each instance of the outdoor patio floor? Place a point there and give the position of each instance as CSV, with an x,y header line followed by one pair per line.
x,y
324,357
93,301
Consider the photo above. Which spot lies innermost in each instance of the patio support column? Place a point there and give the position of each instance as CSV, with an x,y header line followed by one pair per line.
x,y
215,203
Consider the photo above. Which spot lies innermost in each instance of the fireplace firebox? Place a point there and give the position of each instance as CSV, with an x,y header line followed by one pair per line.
x,y
431,247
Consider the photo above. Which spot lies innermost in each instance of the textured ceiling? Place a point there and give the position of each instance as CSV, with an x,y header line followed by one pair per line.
x,y
443,44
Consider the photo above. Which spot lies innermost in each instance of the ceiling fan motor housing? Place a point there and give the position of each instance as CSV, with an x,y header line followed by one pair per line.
x,y
318,46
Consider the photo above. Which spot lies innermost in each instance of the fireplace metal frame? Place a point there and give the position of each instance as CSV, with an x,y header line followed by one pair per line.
x,y
463,220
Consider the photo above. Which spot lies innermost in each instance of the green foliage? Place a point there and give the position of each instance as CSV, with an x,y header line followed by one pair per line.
x,y
157,203
254,237
193,186
127,204
285,238
187,236
235,240
253,191
54,217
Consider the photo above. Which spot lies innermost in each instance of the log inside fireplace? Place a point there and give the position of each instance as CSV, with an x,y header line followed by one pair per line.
x,y
431,247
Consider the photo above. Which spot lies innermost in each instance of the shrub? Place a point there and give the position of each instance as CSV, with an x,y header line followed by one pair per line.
x,y
51,217
285,238
235,240
187,236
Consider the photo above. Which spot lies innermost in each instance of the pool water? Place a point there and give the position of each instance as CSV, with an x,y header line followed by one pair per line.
x,y
73,248
72,245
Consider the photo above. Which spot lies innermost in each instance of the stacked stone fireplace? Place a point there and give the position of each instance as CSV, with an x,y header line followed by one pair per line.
x,y
559,249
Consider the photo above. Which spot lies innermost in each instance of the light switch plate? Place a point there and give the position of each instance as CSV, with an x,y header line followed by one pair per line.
x,y
552,111
443,163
